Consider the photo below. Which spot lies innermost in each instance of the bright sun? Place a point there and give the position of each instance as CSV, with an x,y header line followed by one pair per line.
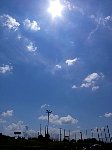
x,y
55,8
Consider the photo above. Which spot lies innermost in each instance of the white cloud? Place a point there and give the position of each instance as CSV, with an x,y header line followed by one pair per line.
x,y
31,25
31,133
91,80
108,18
30,47
19,37
8,21
54,132
44,105
42,117
8,113
108,115
85,85
94,88
14,127
74,87
55,119
19,127
5,68
92,77
58,66
68,120
70,62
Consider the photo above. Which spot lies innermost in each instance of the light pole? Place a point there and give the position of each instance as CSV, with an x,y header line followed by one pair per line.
x,y
48,114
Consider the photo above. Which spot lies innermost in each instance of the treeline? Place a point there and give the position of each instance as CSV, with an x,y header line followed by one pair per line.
x,y
44,143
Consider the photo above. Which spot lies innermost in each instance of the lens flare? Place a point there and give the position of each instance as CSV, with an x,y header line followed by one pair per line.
x,y
55,8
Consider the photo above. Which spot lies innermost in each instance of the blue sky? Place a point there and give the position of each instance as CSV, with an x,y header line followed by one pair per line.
x,y
61,63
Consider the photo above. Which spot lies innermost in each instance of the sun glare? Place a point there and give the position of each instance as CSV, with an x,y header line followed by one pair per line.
x,y
55,8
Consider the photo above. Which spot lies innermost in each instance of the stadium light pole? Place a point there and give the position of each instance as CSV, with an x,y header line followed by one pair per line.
x,y
48,114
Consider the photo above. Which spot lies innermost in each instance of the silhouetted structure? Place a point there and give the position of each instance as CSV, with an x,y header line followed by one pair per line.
x,y
43,143
60,134
48,113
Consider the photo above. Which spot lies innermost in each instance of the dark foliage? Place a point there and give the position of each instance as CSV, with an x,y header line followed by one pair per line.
x,y
44,143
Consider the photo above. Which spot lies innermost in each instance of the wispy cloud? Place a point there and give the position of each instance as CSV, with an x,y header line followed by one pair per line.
x,y
44,106
93,31
94,88
30,47
108,115
55,119
5,69
91,80
58,66
108,18
74,87
19,36
8,113
9,22
70,62
107,22
72,7
31,25
100,21
28,44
